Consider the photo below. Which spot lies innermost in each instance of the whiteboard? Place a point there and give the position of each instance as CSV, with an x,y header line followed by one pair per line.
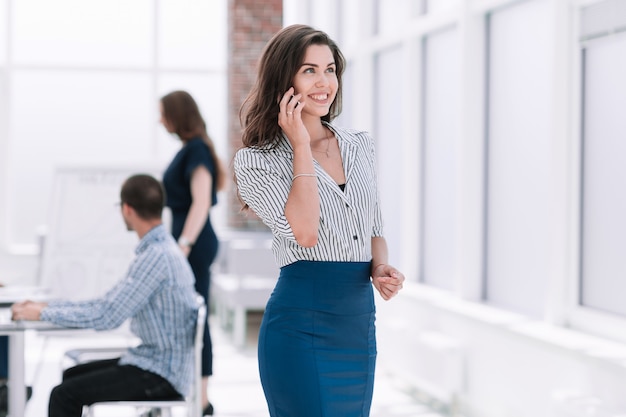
x,y
87,248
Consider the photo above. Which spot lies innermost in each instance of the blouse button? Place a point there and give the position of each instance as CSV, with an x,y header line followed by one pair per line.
x,y
355,237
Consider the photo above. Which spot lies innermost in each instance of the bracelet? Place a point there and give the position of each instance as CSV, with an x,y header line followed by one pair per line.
x,y
183,241
376,267
303,175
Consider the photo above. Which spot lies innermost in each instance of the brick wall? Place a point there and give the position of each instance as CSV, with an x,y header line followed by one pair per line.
x,y
251,23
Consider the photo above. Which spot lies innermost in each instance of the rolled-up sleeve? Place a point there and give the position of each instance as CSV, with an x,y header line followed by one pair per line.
x,y
265,188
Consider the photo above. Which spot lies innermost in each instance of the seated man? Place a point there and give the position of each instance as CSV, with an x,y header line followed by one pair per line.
x,y
158,296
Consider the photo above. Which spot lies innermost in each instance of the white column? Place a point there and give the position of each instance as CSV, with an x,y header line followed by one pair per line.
x,y
17,384
471,156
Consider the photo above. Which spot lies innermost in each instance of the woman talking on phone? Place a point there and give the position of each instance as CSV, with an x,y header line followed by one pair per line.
x,y
314,185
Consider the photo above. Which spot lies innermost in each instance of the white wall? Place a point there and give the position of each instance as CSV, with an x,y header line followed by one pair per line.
x,y
497,125
79,86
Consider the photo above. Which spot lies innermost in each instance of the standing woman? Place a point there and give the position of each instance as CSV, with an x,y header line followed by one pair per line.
x,y
191,183
314,185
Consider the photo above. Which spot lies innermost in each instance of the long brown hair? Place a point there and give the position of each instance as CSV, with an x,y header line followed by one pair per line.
x,y
182,113
281,59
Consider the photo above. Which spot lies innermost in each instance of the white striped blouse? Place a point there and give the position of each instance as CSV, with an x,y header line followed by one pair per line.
x,y
348,219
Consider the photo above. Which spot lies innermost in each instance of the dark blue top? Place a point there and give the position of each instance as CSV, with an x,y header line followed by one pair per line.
x,y
177,184
177,177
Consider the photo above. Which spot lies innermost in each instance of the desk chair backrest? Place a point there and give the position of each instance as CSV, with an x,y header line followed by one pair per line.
x,y
196,389
193,401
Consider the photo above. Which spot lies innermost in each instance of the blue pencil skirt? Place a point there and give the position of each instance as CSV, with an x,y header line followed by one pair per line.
x,y
317,342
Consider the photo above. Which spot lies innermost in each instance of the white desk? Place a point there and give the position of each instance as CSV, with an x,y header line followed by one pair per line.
x,y
15,330
17,381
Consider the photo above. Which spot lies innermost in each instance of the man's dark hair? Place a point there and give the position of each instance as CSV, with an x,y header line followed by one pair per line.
x,y
144,194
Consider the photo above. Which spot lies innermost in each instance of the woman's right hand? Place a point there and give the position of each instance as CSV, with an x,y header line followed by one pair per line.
x,y
290,119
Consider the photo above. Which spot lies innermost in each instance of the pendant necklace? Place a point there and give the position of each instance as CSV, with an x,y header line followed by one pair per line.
x,y
327,148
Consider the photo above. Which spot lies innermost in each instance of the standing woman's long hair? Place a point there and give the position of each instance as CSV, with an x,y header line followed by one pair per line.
x,y
181,111
280,61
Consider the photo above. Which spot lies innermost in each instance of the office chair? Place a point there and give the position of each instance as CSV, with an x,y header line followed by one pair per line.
x,y
164,408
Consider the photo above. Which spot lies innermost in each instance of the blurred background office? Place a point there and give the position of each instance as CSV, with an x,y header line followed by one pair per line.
x,y
500,129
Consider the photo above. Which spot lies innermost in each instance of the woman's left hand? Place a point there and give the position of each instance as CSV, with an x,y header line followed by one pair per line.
x,y
387,280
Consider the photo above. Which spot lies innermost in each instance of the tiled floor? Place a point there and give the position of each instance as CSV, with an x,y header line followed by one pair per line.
x,y
235,389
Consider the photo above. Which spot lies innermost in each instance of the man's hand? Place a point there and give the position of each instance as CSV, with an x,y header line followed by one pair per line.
x,y
27,310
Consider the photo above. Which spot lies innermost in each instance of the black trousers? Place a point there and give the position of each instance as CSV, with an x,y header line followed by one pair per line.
x,y
105,380
202,255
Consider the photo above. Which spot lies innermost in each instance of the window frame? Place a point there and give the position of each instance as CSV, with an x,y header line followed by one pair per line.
x,y
579,316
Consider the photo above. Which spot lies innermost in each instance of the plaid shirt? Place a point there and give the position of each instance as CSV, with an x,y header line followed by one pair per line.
x,y
158,296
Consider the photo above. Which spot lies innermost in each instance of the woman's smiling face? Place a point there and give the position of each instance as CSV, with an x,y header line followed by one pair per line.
x,y
317,81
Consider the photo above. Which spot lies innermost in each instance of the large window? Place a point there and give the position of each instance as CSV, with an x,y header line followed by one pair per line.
x,y
81,87
392,20
433,6
603,263
350,29
441,93
519,149
4,30
86,34
388,136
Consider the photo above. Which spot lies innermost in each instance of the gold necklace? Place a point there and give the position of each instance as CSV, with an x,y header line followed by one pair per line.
x,y
327,148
